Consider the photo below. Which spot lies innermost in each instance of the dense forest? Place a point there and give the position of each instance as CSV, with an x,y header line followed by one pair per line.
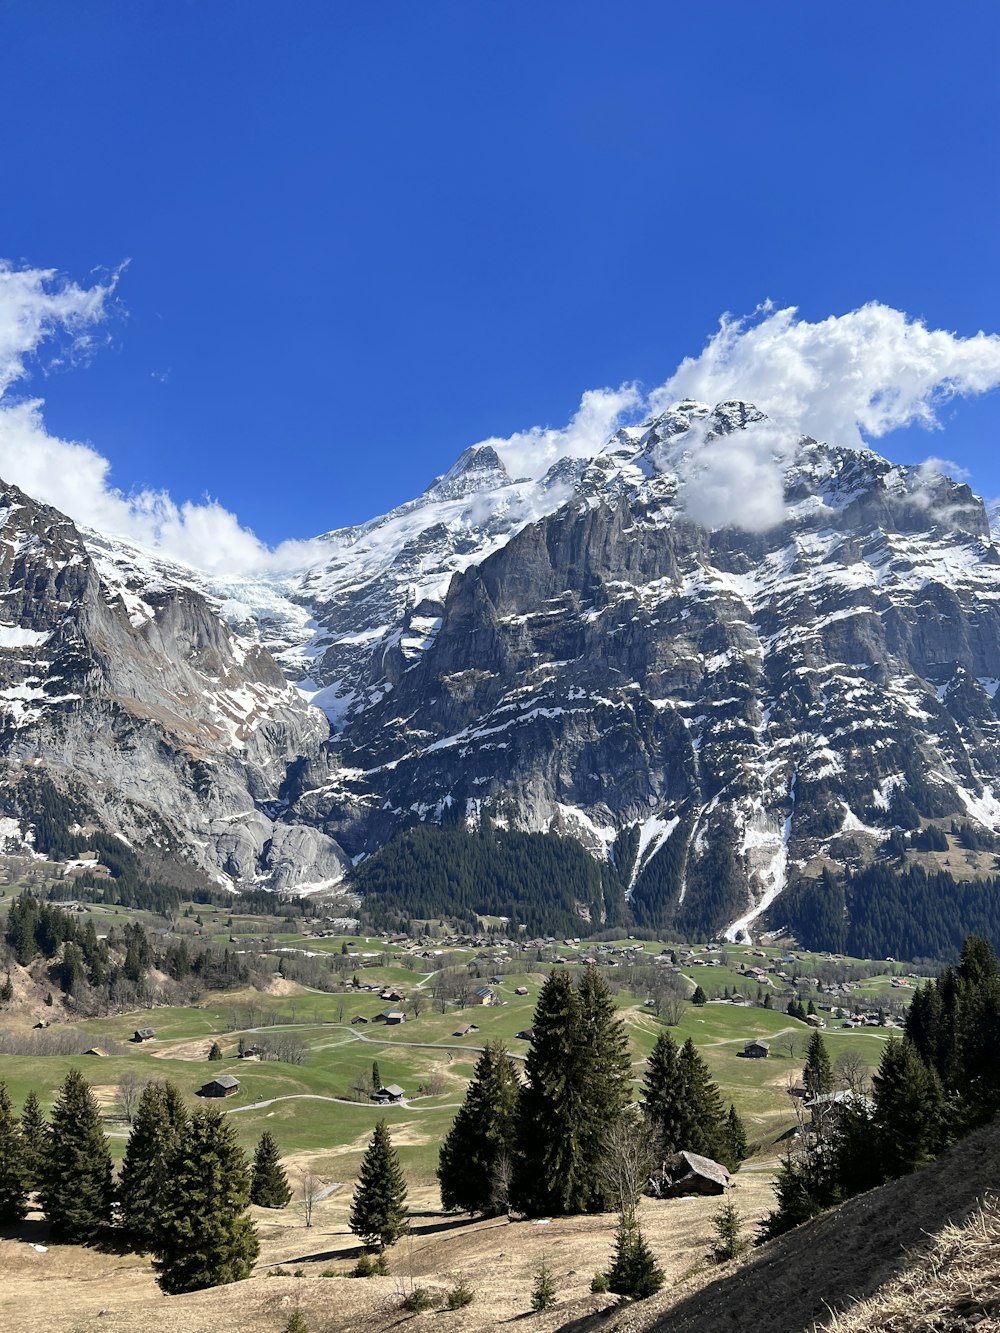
x,y
539,881
882,911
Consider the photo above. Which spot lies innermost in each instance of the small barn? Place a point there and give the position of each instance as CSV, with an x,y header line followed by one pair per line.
x,y
390,993
143,1034
392,1092
464,1030
526,1034
96,1050
689,1173
223,1086
390,1017
520,990
357,1020
757,1049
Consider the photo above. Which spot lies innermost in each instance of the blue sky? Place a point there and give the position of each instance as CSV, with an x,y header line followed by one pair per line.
x,y
363,236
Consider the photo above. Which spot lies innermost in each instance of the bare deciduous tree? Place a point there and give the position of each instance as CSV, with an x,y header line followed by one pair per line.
x,y
626,1162
128,1092
310,1188
417,1003
851,1071
789,1041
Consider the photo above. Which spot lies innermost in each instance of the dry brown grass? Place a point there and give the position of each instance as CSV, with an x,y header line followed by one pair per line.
x,y
74,1290
954,1286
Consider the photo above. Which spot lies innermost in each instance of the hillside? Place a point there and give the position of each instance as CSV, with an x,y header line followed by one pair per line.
x,y
869,1249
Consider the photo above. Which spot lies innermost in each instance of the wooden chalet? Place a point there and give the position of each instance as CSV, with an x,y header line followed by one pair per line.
x,y
391,1093
757,1049
143,1034
223,1086
689,1173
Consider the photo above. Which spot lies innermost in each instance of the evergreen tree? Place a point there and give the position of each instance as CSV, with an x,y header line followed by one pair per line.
x,y
159,1119
909,1109
481,1137
633,1272
605,1068
663,1095
35,1137
75,1192
736,1140
204,1237
818,1073
728,1227
215,1051
704,1125
13,1195
699,997
378,1211
543,1293
550,1109
269,1184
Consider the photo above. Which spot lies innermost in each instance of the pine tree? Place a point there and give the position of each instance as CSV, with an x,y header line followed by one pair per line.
x,y
728,1227
633,1272
578,1072
699,997
75,1193
550,1109
159,1119
215,1051
818,1073
703,1128
663,1094
269,1184
13,1195
204,1237
378,1211
736,1140
481,1137
605,1068
909,1109
543,1293
35,1138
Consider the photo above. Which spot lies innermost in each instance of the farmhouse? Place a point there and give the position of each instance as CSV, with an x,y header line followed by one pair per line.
x,y
223,1086
757,1049
688,1173
392,1092
483,995
390,1016
143,1034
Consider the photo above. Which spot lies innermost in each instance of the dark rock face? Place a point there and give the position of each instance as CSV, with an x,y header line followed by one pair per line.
x,y
615,666
179,734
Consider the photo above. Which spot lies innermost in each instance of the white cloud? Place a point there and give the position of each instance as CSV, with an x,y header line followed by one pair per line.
x,y
530,453
845,378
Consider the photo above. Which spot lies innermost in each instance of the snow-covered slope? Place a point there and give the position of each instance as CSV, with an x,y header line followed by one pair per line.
x,y
712,708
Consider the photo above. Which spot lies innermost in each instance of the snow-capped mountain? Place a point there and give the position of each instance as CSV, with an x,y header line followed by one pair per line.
x,y
711,708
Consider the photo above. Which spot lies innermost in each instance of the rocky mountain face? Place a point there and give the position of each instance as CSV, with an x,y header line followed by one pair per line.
x,y
123,684
713,710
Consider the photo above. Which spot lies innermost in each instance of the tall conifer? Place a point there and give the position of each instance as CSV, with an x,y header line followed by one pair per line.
x,y
818,1073
35,1137
76,1190
13,1195
269,1184
909,1109
663,1095
605,1068
481,1137
704,1119
547,1176
159,1118
204,1236
378,1211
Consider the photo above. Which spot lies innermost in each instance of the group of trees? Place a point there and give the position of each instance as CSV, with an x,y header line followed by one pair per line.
x,y
568,1139
937,1082
113,971
181,1195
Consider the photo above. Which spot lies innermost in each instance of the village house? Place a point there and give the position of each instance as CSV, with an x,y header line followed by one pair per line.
x,y
390,1017
391,1093
223,1086
757,1049
483,995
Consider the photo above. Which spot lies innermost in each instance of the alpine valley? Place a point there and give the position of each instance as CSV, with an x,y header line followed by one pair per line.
x,y
711,718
